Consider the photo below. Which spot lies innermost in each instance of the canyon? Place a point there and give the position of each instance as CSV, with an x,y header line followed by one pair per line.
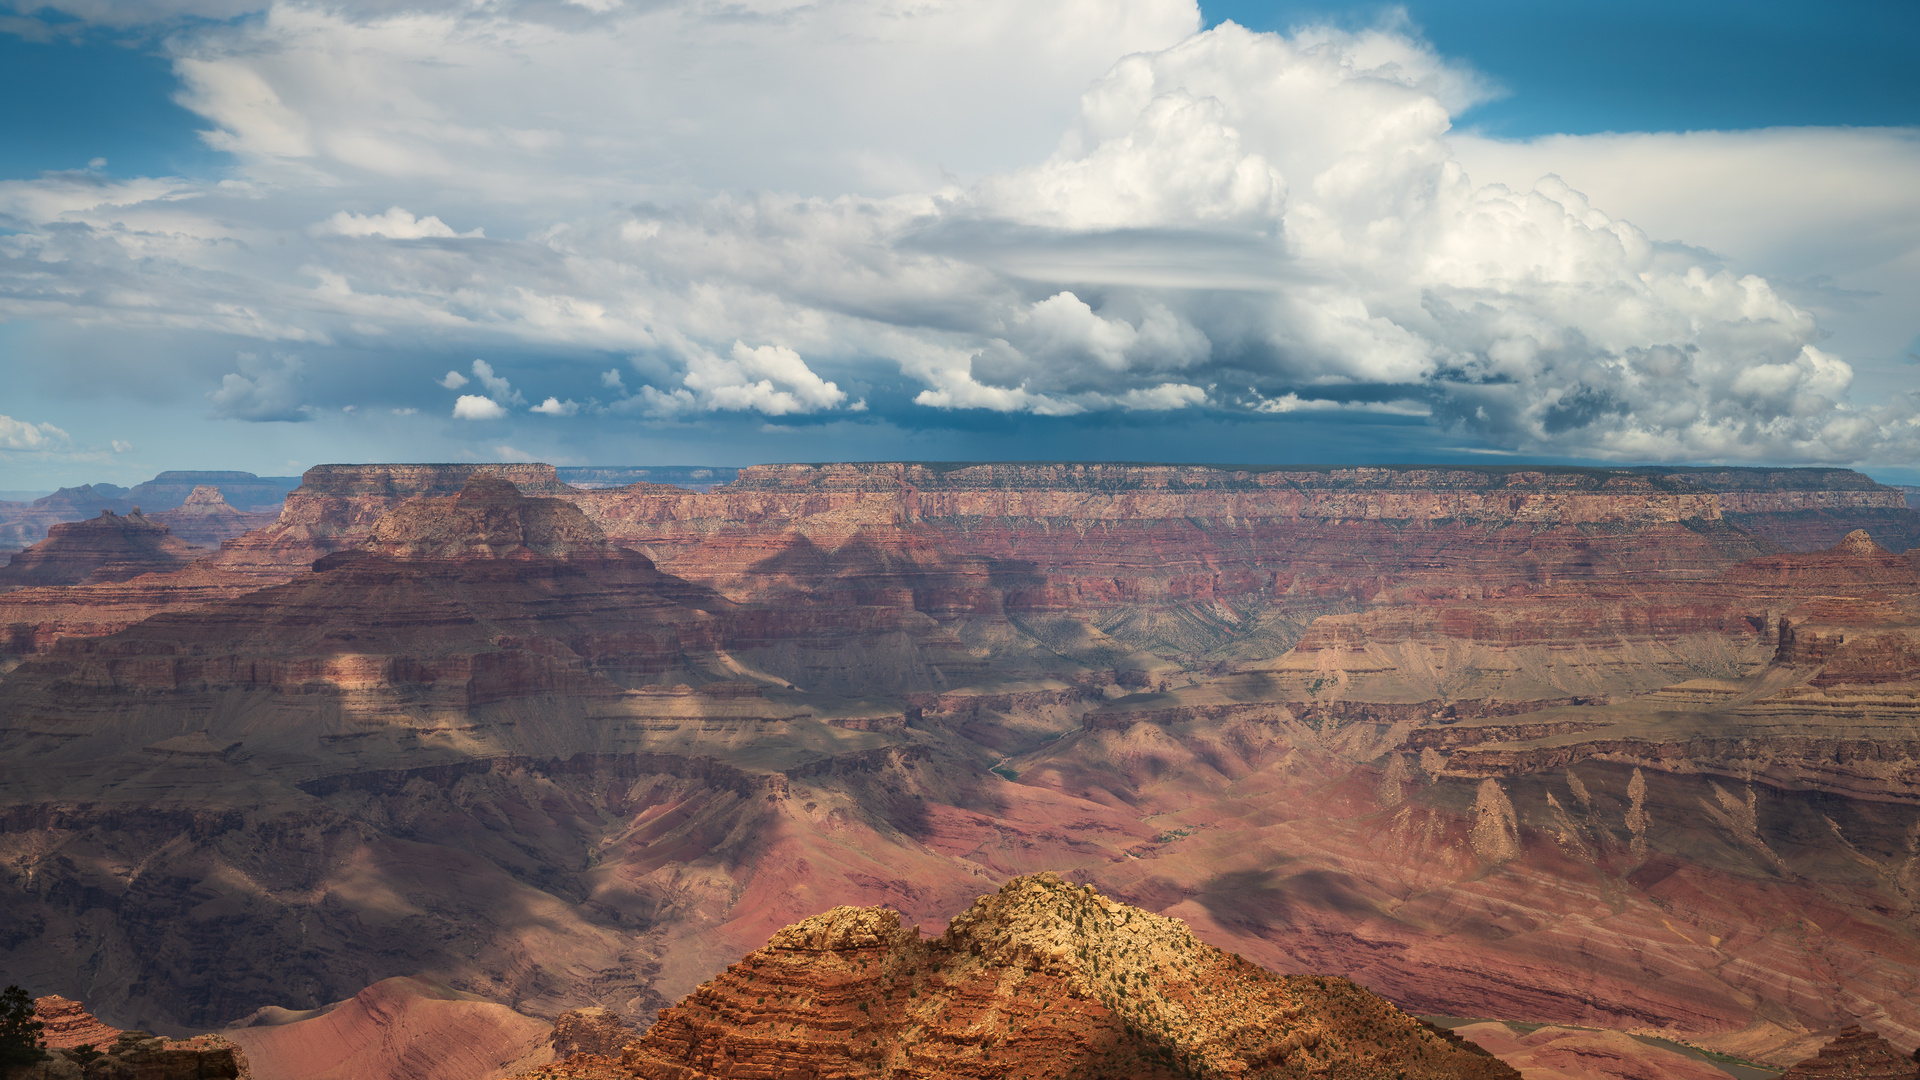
x,y
1625,749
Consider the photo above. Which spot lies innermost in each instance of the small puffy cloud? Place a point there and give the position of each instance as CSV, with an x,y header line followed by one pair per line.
x,y
475,407
497,386
553,406
263,390
453,380
121,446
395,224
24,435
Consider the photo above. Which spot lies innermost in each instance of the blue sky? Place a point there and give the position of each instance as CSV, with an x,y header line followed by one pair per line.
x,y
265,236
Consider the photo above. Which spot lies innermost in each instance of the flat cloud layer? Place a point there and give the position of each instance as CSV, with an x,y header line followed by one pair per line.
x,y
1058,209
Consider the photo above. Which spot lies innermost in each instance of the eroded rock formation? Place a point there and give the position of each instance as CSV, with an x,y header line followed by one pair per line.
x,y
69,1024
1526,744
138,1055
205,519
1042,979
1855,1054
110,547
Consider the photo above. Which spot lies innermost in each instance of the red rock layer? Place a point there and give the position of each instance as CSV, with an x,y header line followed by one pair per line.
x,y
106,548
1042,979
1855,1054
33,620
68,1024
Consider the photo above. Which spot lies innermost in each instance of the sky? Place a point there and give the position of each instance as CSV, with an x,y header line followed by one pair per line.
x,y
265,235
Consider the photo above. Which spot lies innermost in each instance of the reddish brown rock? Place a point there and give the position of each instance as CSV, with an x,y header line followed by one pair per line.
x,y
591,1030
33,620
110,547
336,506
69,1024
1042,979
1550,765
205,519
138,1055
396,1029
1855,1054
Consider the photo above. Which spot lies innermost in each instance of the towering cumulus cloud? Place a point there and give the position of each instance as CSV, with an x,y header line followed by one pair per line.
x,y
752,220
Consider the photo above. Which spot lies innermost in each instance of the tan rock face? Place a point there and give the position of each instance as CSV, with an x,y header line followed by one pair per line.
x,y
1042,979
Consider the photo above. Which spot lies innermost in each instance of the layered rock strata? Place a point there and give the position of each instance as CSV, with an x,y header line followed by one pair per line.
x,y
110,547
1042,979
1618,773
68,1024
138,1055
205,519
1855,1054
336,506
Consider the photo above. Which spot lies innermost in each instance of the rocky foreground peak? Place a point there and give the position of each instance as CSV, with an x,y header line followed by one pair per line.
x,y
489,518
1855,1054
1041,979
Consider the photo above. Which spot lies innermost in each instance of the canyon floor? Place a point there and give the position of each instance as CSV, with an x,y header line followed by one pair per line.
x,y
1616,750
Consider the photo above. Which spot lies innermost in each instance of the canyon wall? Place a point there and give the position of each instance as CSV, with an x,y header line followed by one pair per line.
x,y
1550,745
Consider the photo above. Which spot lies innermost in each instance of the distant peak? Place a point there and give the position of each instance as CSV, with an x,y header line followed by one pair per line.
x,y
1858,542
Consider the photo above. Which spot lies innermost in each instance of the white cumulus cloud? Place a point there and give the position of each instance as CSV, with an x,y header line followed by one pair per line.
x,y
25,435
395,224
784,211
475,407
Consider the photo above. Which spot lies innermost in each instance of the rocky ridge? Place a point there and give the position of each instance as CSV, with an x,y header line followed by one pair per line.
x,y
110,547
138,1055
1041,979
69,1024
1855,1054
205,519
